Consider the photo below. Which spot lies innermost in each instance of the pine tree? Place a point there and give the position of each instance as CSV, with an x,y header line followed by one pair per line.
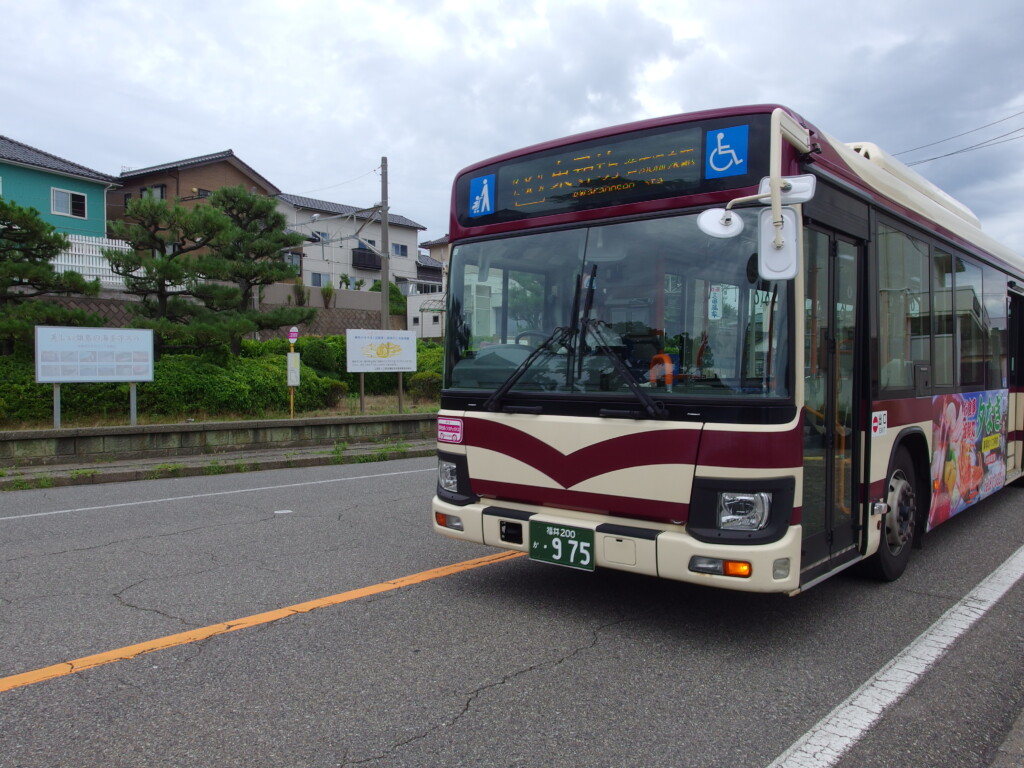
x,y
163,269
250,252
198,270
28,246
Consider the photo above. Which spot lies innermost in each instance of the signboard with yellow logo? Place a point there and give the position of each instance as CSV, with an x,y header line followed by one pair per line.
x,y
380,351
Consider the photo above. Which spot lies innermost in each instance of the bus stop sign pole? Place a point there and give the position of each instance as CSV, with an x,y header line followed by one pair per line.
x,y
293,336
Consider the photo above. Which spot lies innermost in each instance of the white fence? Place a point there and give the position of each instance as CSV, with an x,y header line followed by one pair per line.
x,y
85,257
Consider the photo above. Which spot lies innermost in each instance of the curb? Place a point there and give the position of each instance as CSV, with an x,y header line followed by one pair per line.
x,y
208,465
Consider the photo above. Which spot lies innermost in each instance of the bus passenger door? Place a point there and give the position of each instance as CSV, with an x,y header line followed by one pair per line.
x,y
831,359
1015,382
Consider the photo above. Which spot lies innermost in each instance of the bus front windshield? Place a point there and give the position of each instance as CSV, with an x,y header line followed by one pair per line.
x,y
654,304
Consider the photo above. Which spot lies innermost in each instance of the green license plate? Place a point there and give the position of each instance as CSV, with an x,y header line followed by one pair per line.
x,y
562,545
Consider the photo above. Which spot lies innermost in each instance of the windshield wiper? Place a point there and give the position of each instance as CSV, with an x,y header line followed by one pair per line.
x,y
564,336
558,336
654,408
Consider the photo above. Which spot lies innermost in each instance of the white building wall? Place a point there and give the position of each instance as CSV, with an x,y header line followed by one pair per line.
x,y
422,316
326,261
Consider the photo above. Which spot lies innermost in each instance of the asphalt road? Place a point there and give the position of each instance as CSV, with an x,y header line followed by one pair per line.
x,y
512,663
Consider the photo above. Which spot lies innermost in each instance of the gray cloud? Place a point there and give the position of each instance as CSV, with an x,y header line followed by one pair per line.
x,y
313,93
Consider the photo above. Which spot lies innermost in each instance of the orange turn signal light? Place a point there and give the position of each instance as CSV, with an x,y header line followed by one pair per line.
x,y
736,568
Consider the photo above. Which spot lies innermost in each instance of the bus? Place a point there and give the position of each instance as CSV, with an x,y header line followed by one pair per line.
x,y
722,348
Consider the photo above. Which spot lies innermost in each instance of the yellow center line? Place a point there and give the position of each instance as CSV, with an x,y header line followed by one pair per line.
x,y
204,633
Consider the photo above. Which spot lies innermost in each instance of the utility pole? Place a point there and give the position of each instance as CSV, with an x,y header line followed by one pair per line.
x,y
385,249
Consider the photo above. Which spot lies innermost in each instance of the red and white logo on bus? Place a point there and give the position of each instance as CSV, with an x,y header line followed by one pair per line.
x,y
449,430
879,422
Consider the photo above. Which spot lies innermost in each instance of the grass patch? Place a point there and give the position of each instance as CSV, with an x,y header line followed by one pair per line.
x,y
165,470
29,483
384,453
338,453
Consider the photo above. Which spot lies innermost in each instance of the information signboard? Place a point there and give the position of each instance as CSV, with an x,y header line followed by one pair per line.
x,y
369,351
79,355
294,377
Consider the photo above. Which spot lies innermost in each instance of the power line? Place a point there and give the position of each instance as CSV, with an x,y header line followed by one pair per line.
x,y
981,145
341,183
973,130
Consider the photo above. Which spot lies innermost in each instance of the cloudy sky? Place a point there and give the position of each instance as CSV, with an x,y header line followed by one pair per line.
x,y
312,93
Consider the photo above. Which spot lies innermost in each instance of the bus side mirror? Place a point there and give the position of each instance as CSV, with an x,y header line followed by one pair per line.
x,y
781,263
795,189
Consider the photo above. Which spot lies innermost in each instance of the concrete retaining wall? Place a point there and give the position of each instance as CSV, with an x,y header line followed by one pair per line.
x,y
43,447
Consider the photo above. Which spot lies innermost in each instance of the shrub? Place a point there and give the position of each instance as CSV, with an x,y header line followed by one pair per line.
x,y
430,357
425,385
182,385
24,400
318,354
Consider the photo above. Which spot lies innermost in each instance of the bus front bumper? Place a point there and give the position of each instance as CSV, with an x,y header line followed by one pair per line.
x,y
665,551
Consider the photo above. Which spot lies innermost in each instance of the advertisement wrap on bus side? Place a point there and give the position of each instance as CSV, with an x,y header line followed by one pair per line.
x,y
968,450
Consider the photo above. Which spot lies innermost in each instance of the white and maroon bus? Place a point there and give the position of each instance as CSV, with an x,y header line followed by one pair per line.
x,y
722,348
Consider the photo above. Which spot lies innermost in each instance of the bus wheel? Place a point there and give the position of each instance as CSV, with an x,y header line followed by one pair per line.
x,y
893,553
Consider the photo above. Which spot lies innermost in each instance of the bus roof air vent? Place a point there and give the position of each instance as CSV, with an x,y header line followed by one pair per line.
x,y
882,160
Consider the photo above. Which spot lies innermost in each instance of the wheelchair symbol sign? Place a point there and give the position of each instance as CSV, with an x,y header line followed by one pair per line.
x,y
726,152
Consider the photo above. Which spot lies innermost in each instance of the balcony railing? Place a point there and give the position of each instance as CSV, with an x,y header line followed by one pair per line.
x,y
364,258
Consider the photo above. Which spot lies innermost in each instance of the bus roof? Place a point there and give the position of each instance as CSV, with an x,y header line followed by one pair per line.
x,y
862,164
883,174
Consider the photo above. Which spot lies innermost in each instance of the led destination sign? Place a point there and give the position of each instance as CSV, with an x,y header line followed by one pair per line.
x,y
609,172
656,163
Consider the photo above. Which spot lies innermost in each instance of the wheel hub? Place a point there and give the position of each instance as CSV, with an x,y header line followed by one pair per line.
x,y
899,526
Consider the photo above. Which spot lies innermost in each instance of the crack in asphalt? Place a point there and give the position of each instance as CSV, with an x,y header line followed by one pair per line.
x,y
135,541
477,692
119,596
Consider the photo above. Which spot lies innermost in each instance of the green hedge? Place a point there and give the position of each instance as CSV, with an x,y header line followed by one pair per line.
x,y
24,400
183,385
328,356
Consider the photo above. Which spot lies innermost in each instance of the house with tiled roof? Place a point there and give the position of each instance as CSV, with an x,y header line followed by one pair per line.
x,y
439,249
343,243
426,298
67,195
187,180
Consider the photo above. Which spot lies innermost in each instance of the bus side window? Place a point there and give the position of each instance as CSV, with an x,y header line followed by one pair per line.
x,y
904,318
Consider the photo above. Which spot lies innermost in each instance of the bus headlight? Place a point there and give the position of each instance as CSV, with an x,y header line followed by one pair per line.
x,y
448,475
739,511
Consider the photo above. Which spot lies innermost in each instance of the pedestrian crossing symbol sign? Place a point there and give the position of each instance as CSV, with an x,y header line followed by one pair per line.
x,y
481,196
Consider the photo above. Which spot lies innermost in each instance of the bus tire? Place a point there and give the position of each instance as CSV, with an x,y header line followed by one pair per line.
x,y
902,494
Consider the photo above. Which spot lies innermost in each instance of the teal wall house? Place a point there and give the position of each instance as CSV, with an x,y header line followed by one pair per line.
x,y
69,196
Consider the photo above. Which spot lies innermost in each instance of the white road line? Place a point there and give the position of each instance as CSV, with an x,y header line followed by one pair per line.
x,y
216,493
826,743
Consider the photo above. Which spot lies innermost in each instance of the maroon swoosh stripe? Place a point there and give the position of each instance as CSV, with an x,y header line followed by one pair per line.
x,y
760,450
599,503
674,446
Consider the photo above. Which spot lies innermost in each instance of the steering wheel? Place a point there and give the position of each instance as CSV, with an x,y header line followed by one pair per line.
x,y
538,335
